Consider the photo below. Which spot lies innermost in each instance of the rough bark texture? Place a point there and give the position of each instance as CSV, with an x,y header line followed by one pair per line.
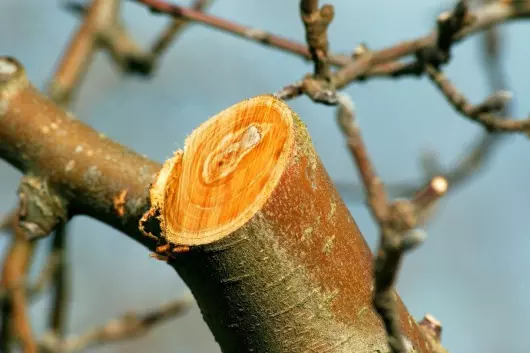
x,y
297,276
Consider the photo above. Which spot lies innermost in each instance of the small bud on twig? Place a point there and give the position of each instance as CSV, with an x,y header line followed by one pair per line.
x,y
433,326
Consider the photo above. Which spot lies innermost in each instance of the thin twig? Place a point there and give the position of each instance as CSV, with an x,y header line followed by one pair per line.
x,y
15,314
379,63
479,113
77,56
476,155
375,191
239,30
59,308
481,150
100,29
43,280
130,325
290,92
40,210
484,17
171,32
45,276
397,222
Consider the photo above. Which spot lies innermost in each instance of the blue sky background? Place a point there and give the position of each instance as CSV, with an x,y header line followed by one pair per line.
x,y
472,272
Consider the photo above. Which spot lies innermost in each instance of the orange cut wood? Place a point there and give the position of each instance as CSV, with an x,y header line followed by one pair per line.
x,y
225,174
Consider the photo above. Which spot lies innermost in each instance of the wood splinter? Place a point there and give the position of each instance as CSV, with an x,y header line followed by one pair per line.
x,y
267,229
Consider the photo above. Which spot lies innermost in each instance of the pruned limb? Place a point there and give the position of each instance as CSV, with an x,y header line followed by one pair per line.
x,y
277,228
296,232
130,325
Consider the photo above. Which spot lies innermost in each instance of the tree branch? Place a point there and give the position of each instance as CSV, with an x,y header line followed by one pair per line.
x,y
60,295
15,320
40,210
130,325
254,34
100,29
89,185
316,21
80,164
482,112
477,154
379,63
484,17
43,279
92,171
175,27
397,221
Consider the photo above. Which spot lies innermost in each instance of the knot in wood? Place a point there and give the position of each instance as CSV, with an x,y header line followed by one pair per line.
x,y
223,161
41,207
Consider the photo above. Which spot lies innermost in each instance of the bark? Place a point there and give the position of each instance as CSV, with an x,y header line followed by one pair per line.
x,y
293,274
286,271
90,170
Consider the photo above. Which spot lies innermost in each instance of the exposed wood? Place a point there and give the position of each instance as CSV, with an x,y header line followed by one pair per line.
x,y
230,167
277,263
